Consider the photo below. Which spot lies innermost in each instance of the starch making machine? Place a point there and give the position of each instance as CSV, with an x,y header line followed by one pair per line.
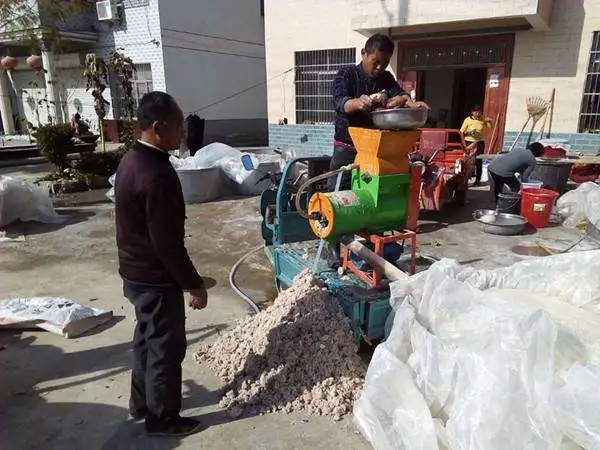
x,y
372,219
399,169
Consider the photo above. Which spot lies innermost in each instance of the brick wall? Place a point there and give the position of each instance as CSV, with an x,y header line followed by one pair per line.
x,y
557,58
318,139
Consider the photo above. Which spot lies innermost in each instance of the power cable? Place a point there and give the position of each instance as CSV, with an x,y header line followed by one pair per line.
x,y
199,50
213,36
235,94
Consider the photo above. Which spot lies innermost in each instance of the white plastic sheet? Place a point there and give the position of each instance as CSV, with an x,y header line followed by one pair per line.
x,y
25,201
58,315
579,204
481,370
576,406
111,192
229,160
570,276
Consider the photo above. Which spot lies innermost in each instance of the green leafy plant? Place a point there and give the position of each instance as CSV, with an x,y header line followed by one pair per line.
x,y
96,74
127,136
55,142
125,70
100,164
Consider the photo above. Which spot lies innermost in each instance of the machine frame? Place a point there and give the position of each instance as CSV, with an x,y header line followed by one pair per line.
x,y
366,308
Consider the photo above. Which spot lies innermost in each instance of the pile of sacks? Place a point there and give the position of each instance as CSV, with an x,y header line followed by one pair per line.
x,y
297,355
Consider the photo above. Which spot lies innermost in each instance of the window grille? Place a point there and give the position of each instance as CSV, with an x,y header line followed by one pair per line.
x,y
142,84
315,71
589,116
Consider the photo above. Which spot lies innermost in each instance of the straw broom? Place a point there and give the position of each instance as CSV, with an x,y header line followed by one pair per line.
x,y
536,108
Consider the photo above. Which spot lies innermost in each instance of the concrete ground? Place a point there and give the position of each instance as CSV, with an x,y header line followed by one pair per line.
x,y
57,393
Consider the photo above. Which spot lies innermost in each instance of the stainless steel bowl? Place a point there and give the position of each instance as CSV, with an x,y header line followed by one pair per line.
x,y
399,118
500,223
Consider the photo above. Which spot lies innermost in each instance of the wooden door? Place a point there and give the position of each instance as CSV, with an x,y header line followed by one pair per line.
x,y
496,101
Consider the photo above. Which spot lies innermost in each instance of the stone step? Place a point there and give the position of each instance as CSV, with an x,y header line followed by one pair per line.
x,y
18,152
29,154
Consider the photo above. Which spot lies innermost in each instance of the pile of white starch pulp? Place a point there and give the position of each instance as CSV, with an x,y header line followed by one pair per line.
x,y
297,355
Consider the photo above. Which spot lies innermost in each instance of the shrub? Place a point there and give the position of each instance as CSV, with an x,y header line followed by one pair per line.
x,y
55,143
102,164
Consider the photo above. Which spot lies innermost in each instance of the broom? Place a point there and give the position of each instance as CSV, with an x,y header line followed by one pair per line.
x,y
536,108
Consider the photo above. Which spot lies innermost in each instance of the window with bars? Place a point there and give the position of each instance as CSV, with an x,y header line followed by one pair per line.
x,y
315,70
142,84
589,116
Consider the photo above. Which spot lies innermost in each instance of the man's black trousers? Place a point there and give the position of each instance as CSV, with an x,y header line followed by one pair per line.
x,y
159,346
498,183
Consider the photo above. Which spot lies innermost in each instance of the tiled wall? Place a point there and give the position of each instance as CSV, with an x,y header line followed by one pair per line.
x,y
312,140
318,139
138,37
580,142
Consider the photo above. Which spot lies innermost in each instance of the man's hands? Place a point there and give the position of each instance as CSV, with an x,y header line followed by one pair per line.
x,y
198,298
405,100
363,103
398,101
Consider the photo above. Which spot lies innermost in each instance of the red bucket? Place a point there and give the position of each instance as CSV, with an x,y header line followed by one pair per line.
x,y
536,206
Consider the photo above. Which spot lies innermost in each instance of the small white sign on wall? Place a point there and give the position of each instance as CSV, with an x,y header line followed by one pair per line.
x,y
494,81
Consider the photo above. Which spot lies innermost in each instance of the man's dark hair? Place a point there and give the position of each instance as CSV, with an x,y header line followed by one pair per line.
x,y
379,42
536,148
155,107
476,108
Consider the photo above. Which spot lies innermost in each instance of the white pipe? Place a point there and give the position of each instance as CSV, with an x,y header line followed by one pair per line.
x,y
388,269
237,290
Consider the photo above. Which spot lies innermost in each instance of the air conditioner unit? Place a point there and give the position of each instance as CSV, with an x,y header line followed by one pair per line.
x,y
106,10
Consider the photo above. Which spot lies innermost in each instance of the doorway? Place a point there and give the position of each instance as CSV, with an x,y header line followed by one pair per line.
x,y
451,94
454,74
469,90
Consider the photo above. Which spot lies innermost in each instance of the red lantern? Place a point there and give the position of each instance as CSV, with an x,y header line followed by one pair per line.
x,y
35,63
9,63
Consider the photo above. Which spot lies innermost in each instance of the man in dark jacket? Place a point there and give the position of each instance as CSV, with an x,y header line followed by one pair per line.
x,y
356,91
155,266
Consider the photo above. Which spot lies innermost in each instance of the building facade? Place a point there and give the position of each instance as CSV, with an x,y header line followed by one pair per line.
x,y
209,55
451,53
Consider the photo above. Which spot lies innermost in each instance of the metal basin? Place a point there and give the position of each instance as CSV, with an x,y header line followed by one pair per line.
x,y
399,118
500,223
